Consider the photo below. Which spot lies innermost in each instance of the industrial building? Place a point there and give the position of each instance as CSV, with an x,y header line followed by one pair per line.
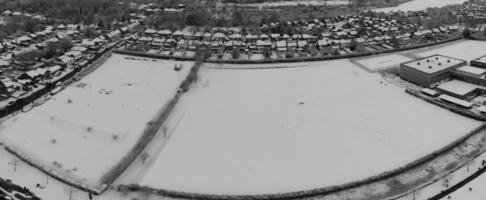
x,y
472,71
479,62
460,89
429,70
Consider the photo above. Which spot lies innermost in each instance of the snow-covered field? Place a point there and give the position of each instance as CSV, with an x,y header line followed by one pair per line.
x,y
86,129
416,5
382,61
255,131
299,2
466,50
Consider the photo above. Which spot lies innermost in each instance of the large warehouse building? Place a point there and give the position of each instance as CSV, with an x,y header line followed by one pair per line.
x,y
429,70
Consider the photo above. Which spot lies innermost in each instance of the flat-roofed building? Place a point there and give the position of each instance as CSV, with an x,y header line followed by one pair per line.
x,y
472,71
456,101
459,89
429,70
479,62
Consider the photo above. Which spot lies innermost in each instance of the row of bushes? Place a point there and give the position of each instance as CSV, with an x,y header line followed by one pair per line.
x,y
152,127
150,131
286,60
313,192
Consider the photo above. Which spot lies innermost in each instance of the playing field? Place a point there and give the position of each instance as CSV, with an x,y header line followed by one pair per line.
x,y
87,128
255,131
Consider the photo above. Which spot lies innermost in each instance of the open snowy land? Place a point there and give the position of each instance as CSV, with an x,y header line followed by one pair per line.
x,y
417,5
259,131
86,129
299,2
466,50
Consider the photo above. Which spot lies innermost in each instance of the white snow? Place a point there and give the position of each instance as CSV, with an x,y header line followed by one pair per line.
x,y
299,2
466,50
89,126
417,5
477,191
382,61
458,87
281,130
472,70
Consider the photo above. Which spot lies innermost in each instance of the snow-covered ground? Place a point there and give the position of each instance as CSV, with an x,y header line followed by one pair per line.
x,y
416,5
24,175
466,50
299,2
382,61
257,131
477,186
86,129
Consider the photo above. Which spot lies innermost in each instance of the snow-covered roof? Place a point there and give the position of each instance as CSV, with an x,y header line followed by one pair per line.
x,y
481,59
73,53
207,35
164,32
219,35
36,72
302,43
7,82
79,48
472,70
54,68
150,31
322,42
482,109
178,33
456,101
23,39
433,64
263,36
65,59
429,91
250,36
235,36
145,39
263,43
458,87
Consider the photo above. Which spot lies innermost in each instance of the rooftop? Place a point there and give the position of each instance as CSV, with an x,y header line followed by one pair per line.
x,y
481,59
473,70
433,64
458,87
